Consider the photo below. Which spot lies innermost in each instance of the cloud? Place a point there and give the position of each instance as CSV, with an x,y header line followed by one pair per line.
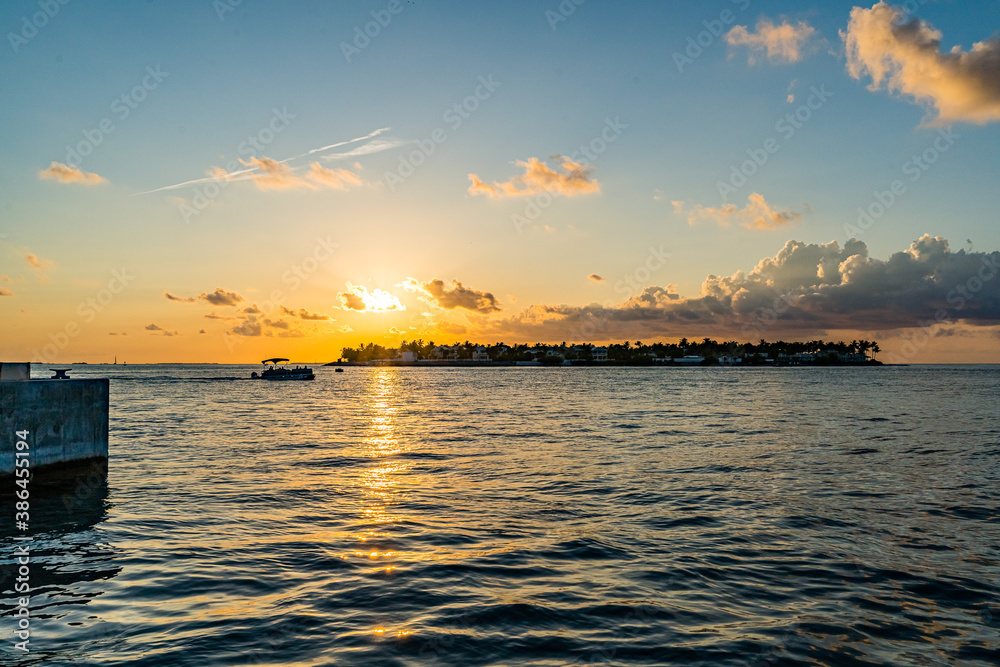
x,y
268,173
907,59
393,331
757,214
222,297
214,316
304,314
376,146
36,263
251,310
276,324
539,177
5,292
4,278
160,330
273,175
248,327
453,328
357,297
201,331
63,173
805,289
596,278
779,43
218,297
338,179
294,333
945,332
458,296
345,329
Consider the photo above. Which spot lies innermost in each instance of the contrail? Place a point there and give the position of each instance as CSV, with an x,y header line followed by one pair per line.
x,y
380,145
344,143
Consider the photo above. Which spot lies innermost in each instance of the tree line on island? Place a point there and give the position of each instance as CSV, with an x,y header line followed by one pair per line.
x,y
705,352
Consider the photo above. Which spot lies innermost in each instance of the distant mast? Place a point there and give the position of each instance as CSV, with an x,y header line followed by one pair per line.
x,y
116,360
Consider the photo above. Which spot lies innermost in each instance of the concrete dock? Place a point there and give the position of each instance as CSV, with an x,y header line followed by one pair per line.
x,y
66,420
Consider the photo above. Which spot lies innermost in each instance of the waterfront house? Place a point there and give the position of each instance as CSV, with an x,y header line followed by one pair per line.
x,y
445,352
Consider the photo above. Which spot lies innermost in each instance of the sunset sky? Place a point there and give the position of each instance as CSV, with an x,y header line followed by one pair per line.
x,y
227,181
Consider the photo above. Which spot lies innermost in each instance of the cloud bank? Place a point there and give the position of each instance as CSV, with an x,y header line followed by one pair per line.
x,y
805,289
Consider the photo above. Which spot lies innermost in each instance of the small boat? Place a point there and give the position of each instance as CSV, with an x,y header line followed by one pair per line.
x,y
338,370
272,371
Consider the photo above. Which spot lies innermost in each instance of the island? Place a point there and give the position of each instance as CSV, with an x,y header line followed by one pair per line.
x,y
707,352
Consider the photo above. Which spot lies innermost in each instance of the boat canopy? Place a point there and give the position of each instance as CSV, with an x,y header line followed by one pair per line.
x,y
276,360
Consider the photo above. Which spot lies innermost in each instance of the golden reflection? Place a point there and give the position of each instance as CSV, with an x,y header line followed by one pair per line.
x,y
382,483
382,397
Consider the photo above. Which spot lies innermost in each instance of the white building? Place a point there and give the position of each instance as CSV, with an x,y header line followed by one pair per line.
x,y
689,360
445,352
599,354
480,354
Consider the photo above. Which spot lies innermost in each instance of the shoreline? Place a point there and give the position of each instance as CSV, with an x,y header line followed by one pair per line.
x,y
606,364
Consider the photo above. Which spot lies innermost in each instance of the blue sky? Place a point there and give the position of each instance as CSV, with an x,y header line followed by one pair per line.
x,y
554,86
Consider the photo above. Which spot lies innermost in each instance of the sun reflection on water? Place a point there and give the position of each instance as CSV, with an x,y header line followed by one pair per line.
x,y
382,484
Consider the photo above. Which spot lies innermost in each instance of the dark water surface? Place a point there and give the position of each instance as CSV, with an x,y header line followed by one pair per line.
x,y
528,516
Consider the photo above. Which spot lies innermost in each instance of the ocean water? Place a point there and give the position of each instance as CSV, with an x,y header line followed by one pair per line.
x,y
527,516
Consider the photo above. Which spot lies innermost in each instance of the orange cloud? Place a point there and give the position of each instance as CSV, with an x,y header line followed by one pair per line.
x,y
436,293
779,43
274,175
757,214
218,297
304,314
339,179
63,173
907,58
538,177
357,297
36,263
271,174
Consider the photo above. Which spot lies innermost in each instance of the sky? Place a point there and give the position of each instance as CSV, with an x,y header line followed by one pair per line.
x,y
224,181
